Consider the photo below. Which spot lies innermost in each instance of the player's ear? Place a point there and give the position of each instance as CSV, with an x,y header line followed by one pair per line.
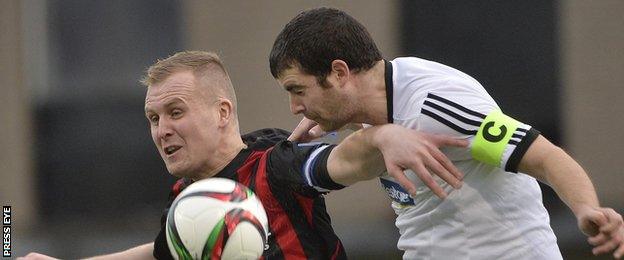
x,y
226,111
340,71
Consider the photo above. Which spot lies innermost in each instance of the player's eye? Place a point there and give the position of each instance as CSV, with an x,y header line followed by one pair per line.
x,y
153,119
176,113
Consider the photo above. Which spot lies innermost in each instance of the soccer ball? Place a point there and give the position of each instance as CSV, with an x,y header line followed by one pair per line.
x,y
216,218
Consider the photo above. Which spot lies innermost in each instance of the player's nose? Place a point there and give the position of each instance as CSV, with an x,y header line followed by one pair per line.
x,y
164,129
296,107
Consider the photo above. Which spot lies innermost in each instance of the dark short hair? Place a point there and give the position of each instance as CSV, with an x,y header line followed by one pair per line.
x,y
316,37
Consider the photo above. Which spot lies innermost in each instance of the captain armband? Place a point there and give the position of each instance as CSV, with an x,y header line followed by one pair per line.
x,y
501,141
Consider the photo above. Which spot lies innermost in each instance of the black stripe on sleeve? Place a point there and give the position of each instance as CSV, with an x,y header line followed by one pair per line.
x,y
455,105
451,113
321,175
514,135
518,153
448,123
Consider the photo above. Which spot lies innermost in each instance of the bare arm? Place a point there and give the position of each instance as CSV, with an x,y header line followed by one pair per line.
x,y
139,252
552,165
366,153
355,159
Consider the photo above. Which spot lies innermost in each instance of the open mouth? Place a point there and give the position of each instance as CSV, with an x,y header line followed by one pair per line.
x,y
169,150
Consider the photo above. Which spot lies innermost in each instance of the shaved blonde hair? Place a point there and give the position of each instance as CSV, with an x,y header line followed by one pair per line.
x,y
202,64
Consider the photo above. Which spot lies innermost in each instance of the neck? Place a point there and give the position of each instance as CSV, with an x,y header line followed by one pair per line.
x,y
229,149
371,94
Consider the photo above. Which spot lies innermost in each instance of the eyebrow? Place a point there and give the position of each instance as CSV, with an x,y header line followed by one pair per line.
x,y
291,87
173,101
169,103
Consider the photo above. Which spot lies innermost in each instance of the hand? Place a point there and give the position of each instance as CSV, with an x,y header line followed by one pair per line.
x,y
404,148
36,256
308,130
605,229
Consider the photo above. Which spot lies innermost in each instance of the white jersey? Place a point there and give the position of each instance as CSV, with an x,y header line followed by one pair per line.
x,y
497,214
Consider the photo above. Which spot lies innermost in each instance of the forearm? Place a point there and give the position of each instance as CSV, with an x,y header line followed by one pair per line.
x,y
139,252
553,166
570,181
356,158
367,153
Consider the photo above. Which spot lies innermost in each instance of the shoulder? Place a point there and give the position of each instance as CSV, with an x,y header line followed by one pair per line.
x,y
417,80
265,138
412,71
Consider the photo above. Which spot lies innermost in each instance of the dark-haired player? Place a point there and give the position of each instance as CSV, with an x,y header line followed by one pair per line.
x,y
335,75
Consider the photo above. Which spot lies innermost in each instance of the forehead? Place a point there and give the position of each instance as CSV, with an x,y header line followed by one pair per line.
x,y
294,76
293,73
179,85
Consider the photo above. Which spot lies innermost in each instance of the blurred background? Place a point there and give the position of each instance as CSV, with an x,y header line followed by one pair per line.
x,y
79,169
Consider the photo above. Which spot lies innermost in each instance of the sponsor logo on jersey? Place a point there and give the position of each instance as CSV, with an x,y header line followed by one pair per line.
x,y
396,192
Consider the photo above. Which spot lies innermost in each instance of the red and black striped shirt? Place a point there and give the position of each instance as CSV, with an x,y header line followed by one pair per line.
x,y
289,179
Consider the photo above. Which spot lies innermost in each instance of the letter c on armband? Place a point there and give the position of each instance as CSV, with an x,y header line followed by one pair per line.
x,y
493,138
488,146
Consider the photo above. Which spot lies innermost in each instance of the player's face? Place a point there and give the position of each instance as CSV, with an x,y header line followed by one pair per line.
x,y
328,105
183,123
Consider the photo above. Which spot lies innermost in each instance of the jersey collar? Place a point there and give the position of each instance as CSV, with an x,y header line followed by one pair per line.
x,y
389,87
230,170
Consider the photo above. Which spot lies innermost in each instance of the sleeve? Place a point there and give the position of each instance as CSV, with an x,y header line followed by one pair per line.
x,y
302,166
161,249
495,138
